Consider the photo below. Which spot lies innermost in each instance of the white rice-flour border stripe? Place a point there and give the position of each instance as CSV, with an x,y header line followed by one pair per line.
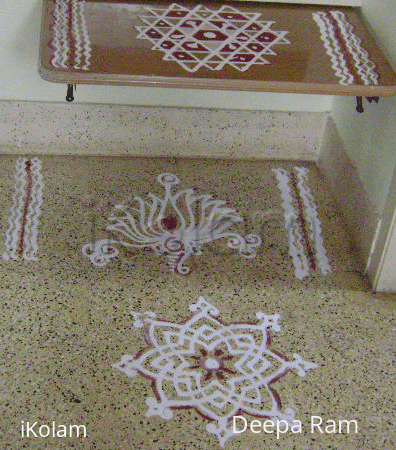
x,y
25,211
333,49
80,31
291,215
362,63
60,41
313,220
296,248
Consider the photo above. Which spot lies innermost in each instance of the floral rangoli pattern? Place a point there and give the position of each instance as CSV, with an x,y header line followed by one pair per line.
x,y
201,37
177,225
219,369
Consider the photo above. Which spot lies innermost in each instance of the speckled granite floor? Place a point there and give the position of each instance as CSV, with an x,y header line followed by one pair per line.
x,y
274,320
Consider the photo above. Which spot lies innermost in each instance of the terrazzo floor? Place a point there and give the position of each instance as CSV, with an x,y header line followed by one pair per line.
x,y
256,307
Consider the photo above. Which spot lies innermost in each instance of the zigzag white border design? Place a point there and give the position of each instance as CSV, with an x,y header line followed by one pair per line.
x,y
296,247
60,41
362,63
332,47
313,220
34,211
15,219
80,30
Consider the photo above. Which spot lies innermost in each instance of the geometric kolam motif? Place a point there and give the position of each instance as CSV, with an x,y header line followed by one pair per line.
x,y
21,235
201,37
177,225
221,370
71,43
350,60
302,224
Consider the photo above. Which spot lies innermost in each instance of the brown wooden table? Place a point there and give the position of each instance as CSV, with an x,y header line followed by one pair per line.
x,y
272,47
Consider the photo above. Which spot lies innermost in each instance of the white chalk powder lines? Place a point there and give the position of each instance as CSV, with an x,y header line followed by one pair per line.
x,y
71,42
302,223
351,62
177,225
23,220
219,369
211,39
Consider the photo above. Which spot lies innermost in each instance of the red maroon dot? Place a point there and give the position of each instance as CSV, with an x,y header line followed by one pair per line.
x,y
169,223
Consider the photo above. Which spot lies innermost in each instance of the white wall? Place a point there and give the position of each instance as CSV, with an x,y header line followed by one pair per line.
x,y
19,80
370,138
381,17
370,142
381,269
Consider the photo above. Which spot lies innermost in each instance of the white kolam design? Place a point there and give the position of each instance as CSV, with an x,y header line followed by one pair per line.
x,y
296,247
22,232
302,223
71,41
350,60
315,227
219,369
202,37
177,225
